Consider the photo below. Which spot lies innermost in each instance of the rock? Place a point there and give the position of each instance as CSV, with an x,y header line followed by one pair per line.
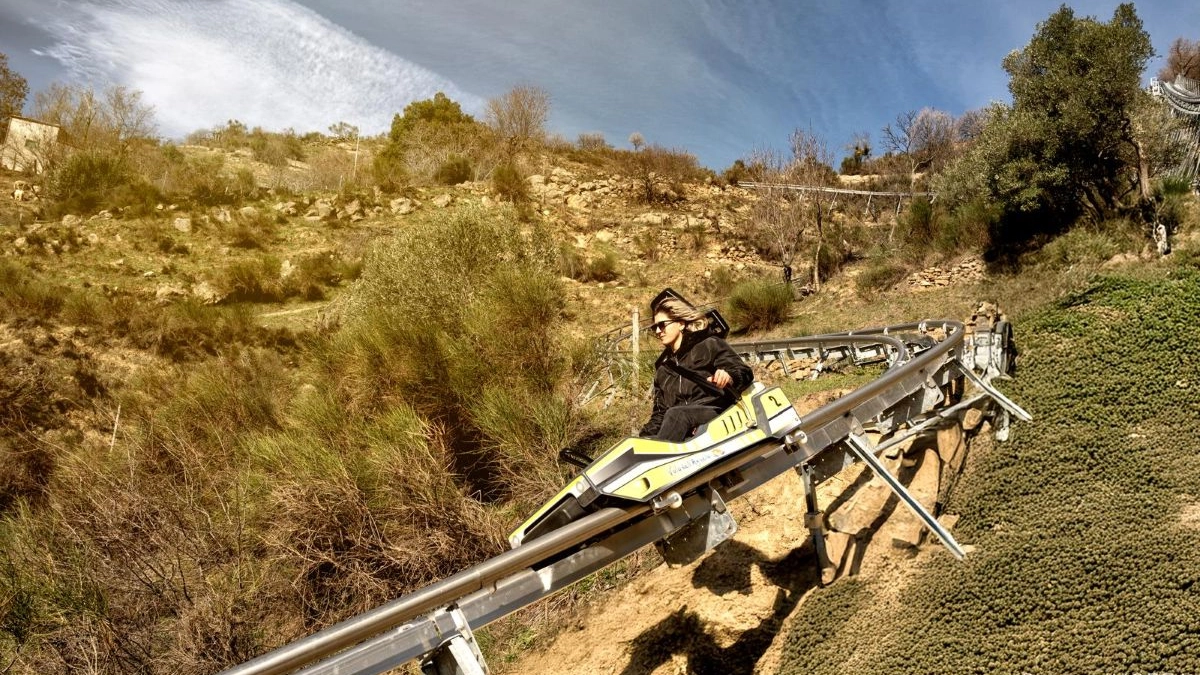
x,y
71,220
605,236
561,175
651,218
952,447
182,224
971,419
323,209
205,293
487,202
864,507
908,529
577,202
442,201
248,212
223,215
354,207
21,244
286,269
401,206
166,292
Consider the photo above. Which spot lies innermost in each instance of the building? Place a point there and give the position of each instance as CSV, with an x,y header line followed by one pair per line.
x,y
1183,95
28,143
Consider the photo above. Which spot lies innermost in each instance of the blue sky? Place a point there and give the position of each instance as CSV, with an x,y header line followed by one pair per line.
x,y
720,78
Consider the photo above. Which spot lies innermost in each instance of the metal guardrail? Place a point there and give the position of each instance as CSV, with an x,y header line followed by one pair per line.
x,y
832,190
438,620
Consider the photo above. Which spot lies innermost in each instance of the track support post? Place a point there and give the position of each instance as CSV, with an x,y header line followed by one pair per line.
x,y
458,656
814,520
864,449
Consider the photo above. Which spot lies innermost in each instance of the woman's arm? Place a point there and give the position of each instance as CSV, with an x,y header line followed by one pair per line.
x,y
724,358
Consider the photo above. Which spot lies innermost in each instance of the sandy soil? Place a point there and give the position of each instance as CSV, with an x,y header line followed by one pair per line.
x,y
726,613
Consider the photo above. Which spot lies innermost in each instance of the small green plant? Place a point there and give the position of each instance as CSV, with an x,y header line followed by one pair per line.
x,y
759,305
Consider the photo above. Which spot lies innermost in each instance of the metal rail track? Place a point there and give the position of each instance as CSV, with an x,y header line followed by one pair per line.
x,y
913,394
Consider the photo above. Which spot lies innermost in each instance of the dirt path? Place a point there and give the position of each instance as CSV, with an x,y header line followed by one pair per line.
x,y
727,612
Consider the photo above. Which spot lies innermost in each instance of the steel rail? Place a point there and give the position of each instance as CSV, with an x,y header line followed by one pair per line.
x,y
817,430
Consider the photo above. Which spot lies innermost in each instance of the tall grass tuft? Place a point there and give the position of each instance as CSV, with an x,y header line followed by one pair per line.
x,y
759,305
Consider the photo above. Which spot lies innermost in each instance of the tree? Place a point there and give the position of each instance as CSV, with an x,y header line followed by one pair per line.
x,y
518,118
110,121
637,140
13,90
924,138
810,166
422,139
440,110
343,131
1067,146
784,215
1183,58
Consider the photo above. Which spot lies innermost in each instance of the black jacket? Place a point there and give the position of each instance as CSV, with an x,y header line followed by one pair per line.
x,y
702,354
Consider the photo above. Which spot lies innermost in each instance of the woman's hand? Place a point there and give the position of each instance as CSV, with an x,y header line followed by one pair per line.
x,y
721,379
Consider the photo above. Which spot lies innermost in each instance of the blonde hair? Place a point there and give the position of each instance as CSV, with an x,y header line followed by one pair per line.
x,y
692,318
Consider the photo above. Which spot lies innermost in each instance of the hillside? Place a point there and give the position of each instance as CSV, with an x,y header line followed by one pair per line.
x,y
212,444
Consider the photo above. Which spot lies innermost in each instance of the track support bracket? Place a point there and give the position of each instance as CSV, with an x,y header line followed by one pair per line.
x,y
864,449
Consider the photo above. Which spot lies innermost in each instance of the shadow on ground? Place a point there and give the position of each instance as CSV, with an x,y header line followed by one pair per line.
x,y
727,570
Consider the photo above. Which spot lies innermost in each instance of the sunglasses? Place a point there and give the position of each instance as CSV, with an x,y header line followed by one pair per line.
x,y
662,325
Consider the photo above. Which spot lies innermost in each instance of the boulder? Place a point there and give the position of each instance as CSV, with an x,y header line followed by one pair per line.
x,y
182,224
577,202
401,206
442,201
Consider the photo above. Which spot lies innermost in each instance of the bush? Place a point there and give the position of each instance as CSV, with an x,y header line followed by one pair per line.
x,y
695,236
251,280
85,180
647,245
453,171
1079,246
509,184
602,267
456,304
759,305
721,281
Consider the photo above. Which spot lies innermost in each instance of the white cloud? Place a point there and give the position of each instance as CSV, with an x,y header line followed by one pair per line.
x,y
271,63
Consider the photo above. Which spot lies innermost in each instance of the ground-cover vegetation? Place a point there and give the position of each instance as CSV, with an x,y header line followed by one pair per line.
x,y
1084,523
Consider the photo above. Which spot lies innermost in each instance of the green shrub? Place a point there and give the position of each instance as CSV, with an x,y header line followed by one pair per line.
x,y
509,184
85,181
457,303
695,236
759,305
570,262
453,171
602,266
251,280
721,281
388,169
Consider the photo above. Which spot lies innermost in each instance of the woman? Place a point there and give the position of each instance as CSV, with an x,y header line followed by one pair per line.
x,y
697,375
